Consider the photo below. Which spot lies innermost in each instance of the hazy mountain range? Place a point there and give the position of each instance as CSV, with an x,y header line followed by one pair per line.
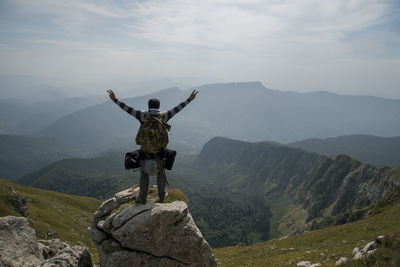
x,y
23,154
245,111
27,89
239,191
28,118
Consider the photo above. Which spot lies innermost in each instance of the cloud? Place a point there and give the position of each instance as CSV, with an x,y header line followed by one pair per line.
x,y
72,15
227,24
214,23
286,27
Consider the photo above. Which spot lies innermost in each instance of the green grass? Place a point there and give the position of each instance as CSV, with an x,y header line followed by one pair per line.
x,y
176,195
278,209
334,242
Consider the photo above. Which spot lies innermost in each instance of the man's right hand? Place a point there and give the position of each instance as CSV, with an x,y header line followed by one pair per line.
x,y
111,95
193,95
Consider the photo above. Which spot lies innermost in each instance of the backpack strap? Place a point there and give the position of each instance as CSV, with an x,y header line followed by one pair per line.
x,y
160,115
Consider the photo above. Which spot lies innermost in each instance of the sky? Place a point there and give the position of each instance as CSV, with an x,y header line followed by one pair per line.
x,y
343,46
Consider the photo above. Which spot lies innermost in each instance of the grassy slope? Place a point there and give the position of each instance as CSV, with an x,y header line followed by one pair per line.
x,y
335,242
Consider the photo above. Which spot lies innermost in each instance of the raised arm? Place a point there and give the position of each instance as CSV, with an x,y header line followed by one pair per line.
x,y
134,112
170,113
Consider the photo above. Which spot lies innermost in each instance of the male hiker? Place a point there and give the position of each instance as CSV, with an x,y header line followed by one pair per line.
x,y
151,164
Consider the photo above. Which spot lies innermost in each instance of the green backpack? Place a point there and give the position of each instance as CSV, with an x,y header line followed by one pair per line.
x,y
153,134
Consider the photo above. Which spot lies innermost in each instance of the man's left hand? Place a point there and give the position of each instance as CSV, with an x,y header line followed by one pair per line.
x,y
111,95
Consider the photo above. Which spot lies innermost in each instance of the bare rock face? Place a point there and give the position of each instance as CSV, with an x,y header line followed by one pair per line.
x,y
19,247
148,235
70,257
18,243
50,248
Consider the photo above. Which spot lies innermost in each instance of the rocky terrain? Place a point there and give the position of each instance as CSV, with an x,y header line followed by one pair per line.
x,y
20,247
155,234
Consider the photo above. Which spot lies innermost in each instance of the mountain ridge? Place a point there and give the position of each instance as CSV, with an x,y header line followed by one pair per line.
x,y
314,187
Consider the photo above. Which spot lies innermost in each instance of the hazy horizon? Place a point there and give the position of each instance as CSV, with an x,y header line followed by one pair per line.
x,y
128,90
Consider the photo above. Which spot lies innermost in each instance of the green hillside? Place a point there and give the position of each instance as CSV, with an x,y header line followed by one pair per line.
x,y
378,151
99,177
51,212
332,242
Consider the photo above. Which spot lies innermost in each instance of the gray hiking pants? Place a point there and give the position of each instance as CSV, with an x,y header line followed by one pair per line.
x,y
144,181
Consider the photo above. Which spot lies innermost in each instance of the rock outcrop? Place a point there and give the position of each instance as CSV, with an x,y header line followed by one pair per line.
x,y
154,234
19,247
16,200
342,261
308,264
368,250
362,253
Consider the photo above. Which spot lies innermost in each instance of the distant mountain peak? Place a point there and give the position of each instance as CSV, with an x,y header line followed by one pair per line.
x,y
232,86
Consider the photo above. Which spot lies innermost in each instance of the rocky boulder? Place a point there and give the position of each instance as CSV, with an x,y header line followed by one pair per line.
x,y
76,256
308,264
368,250
18,243
19,247
154,234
